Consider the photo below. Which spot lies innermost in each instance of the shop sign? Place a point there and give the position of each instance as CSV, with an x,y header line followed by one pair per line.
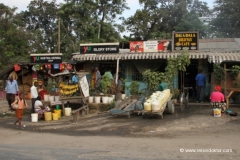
x,y
96,48
185,41
149,46
46,58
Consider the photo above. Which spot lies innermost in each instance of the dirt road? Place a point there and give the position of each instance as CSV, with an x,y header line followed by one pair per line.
x,y
104,137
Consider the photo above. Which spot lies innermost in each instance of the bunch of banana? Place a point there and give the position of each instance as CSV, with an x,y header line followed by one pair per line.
x,y
68,89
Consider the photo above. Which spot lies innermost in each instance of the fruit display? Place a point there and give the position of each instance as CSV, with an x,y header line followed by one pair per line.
x,y
68,89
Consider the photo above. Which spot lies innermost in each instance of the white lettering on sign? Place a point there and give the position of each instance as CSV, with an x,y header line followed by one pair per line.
x,y
98,49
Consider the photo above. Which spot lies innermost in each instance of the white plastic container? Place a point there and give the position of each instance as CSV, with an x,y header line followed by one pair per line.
x,y
113,96
68,111
46,97
57,98
105,100
147,106
155,106
110,99
216,112
97,99
51,98
34,117
90,99
123,96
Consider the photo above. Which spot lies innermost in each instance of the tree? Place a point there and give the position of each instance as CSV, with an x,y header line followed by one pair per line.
x,y
226,24
163,17
191,22
13,38
41,20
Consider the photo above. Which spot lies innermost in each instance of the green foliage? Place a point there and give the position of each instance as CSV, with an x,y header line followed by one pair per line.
x,y
14,44
164,16
134,88
106,83
153,79
226,24
218,73
234,72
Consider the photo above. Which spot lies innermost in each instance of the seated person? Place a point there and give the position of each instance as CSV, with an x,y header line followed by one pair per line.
x,y
217,99
217,96
39,108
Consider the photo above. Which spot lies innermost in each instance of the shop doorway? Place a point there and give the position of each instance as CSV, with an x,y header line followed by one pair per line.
x,y
189,78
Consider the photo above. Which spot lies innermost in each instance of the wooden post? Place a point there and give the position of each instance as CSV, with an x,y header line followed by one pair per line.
x,y
116,80
22,84
225,81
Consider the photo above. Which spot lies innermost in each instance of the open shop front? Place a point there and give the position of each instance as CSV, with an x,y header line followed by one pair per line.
x,y
58,83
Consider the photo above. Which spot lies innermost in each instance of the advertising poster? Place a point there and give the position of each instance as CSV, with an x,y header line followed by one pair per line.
x,y
185,41
150,46
136,47
163,46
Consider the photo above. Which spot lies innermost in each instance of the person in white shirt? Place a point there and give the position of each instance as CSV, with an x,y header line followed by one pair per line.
x,y
34,95
39,108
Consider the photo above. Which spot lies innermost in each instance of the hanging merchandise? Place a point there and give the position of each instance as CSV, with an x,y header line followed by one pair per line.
x,y
48,66
69,67
17,67
56,66
41,67
62,67
37,67
34,69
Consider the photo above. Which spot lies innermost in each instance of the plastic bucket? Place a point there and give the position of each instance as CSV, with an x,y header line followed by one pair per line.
x,y
51,98
68,111
46,97
216,112
34,117
105,100
57,98
55,116
90,99
97,99
48,116
59,111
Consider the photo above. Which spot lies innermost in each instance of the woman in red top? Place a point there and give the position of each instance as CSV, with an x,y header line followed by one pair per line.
x,y
217,99
217,95
19,112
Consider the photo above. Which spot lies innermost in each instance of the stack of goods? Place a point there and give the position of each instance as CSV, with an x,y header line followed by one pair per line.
x,y
25,89
67,90
157,100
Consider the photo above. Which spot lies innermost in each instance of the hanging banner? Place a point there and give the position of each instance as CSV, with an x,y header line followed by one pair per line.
x,y
185,41
84,86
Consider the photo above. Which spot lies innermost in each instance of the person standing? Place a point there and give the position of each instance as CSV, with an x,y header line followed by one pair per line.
x,y
34,95
12,91
19,111
96,78
200,85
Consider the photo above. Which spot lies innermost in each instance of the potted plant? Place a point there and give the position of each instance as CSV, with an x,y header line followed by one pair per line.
x,y
134,88
106,83
175,93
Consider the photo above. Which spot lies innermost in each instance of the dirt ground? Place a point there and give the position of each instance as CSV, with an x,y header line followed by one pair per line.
x,y
152,137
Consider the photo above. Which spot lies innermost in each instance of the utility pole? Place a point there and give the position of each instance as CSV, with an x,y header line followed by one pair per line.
x,y
59,35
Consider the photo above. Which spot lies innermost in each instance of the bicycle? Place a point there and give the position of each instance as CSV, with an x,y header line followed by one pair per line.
x,y
184,100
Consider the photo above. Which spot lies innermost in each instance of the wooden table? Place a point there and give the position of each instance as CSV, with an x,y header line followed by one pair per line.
x,y
231,91
75,113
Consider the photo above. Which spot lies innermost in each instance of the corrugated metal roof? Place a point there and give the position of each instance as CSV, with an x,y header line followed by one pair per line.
x,y
213,57
131,56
